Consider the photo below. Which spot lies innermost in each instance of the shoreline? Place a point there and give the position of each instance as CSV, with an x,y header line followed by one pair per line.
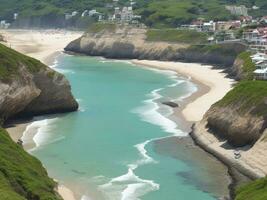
x,y
192,107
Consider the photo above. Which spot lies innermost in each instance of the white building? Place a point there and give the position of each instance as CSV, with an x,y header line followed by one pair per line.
x,y
260,74
4,24
127,14
85,13
92,13
238,10
15,16
260,60
124,15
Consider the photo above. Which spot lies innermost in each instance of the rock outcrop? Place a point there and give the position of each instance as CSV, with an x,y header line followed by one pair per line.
x,y
237,129
131,43
240,117
28,87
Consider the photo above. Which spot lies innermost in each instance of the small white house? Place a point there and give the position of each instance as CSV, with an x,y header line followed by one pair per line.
x,y
260,74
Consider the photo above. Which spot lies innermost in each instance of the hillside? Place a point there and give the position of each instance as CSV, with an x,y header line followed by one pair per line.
x,y
27,88
156,13
21,175
243,67
256,190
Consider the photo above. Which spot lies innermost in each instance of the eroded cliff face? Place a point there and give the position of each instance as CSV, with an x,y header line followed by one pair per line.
x,y
123,43
28,87
131,43
238,129
240,117
37,93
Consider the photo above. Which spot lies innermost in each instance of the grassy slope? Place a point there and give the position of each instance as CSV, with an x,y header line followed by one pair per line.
x,y
98,27
11,60
224,49
21,175
173,35
256,190
248,66
247,96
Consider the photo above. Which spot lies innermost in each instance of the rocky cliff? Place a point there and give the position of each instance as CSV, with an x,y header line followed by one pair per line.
x,y
241,116
133,43
28,87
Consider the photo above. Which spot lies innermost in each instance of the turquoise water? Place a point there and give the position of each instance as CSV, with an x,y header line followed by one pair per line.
x,y
106,150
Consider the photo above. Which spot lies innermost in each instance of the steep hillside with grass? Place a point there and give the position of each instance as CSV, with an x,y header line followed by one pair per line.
x,y
21,175
256,190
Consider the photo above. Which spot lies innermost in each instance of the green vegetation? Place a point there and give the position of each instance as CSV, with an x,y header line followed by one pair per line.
x,y
171,13
174,35
248,66
220,49
98,27
155,13
11,61
21,175
247,96
256,190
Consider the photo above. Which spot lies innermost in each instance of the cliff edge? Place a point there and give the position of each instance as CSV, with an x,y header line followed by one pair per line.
x,y
124,42
28,87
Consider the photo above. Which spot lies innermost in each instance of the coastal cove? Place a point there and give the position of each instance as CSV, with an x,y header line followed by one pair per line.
x,y
72,147
157,146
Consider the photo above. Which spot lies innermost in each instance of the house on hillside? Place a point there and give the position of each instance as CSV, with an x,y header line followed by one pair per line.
x,y
257,39
260,60
260,74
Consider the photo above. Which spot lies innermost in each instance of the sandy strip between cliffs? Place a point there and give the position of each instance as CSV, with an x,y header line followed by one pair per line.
x,y
43,45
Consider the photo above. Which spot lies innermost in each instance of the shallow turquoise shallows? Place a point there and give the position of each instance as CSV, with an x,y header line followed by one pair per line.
x,y
106,150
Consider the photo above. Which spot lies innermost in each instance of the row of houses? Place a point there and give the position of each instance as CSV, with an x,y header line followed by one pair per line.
x,y
260,60
257,39
121,14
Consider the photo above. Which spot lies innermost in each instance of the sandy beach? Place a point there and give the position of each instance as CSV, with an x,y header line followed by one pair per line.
x,y
43,45
216,82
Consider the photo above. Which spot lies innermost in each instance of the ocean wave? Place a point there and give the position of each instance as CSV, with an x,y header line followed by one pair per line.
x,y
39,133
55,66
149,113
143,152
128,186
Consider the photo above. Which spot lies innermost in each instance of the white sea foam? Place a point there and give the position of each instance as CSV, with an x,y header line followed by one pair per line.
x,y
143,152
84,197
128,186
149,113
55,67
39,132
